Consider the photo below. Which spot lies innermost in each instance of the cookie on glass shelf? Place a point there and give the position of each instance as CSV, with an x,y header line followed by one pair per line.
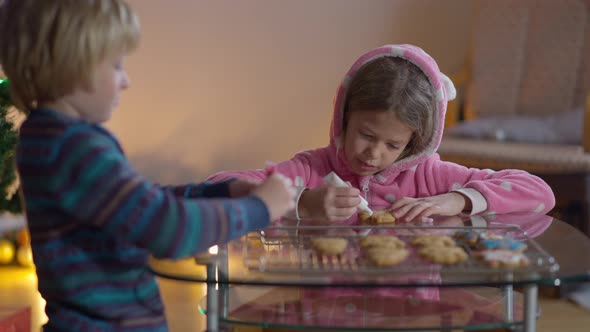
x,y
387,256
503,258
431,240
502,243
487,235
468,236
444,255
387,241
329,245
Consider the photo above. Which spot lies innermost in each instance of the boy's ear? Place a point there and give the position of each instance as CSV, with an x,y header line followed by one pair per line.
x,y
86,84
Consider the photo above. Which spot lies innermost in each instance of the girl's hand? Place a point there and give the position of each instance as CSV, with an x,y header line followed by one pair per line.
x,y
329,203
277,193
408,209
239,188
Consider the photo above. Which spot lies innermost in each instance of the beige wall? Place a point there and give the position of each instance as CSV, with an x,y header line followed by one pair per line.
x,y
230,84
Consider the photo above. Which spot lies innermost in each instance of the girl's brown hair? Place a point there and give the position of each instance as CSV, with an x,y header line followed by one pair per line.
x,y
392,84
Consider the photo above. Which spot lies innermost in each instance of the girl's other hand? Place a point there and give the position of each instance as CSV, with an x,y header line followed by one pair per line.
x,y
409,209
329,203
278,195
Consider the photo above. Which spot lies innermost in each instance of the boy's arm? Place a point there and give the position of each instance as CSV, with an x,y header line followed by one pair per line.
x,y
206,189
95,184
298,169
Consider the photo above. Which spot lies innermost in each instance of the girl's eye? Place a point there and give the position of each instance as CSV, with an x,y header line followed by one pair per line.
x,y
365,135
392,147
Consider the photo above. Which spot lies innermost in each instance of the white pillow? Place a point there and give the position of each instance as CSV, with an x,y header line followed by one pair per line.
x,y
559,128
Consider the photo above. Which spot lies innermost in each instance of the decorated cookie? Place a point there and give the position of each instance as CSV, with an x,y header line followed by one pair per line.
x,y
378,217
433,241
444,255
503,258
470,236
501,244
364,217
329,245
491,236
379,241
382,217
386,256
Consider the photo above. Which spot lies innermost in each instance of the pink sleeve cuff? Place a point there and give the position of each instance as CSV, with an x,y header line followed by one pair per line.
x,y
478,202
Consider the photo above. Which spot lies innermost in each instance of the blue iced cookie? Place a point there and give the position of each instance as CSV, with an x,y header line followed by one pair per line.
x,y
469,236
504,244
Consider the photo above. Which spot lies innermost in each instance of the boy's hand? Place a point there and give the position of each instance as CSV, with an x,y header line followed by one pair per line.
x,y
239,188
408,209
329,203
278,195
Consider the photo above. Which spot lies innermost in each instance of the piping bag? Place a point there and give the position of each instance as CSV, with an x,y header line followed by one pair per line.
x,y
335,180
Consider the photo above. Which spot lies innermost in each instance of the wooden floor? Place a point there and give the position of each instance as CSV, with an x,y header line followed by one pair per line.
x,y
18,288
562,315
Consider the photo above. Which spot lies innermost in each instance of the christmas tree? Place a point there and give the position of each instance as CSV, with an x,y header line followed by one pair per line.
x,y
9,198
15,247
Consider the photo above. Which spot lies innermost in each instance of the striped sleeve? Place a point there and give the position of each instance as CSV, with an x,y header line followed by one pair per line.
x,y
206,189
95,183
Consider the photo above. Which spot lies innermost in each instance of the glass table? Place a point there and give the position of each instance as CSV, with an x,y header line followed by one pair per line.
x,y
268,279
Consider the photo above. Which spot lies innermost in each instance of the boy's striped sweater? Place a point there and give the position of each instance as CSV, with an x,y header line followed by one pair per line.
x,y
94,221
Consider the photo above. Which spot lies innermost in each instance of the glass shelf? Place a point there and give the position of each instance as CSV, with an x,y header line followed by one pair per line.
x,y
344,309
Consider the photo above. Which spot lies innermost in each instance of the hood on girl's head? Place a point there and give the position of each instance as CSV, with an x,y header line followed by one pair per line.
x,y
442,90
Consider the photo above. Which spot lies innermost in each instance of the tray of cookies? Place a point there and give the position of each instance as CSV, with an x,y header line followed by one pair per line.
x,y
395,249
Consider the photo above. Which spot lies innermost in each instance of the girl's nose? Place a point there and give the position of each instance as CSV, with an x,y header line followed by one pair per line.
x,y
372,151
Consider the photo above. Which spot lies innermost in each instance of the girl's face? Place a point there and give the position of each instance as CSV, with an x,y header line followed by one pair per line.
x,y
373,140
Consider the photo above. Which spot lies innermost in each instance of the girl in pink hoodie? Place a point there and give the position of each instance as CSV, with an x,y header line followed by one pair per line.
x,y
387,125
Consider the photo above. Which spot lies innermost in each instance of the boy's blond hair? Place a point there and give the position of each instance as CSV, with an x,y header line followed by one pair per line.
x,y
49,48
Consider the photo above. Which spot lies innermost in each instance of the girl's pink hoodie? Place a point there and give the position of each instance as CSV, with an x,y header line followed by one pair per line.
x,y
420,175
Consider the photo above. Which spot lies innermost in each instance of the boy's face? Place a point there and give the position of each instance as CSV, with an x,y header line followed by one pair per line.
x,y
96,103
373,140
